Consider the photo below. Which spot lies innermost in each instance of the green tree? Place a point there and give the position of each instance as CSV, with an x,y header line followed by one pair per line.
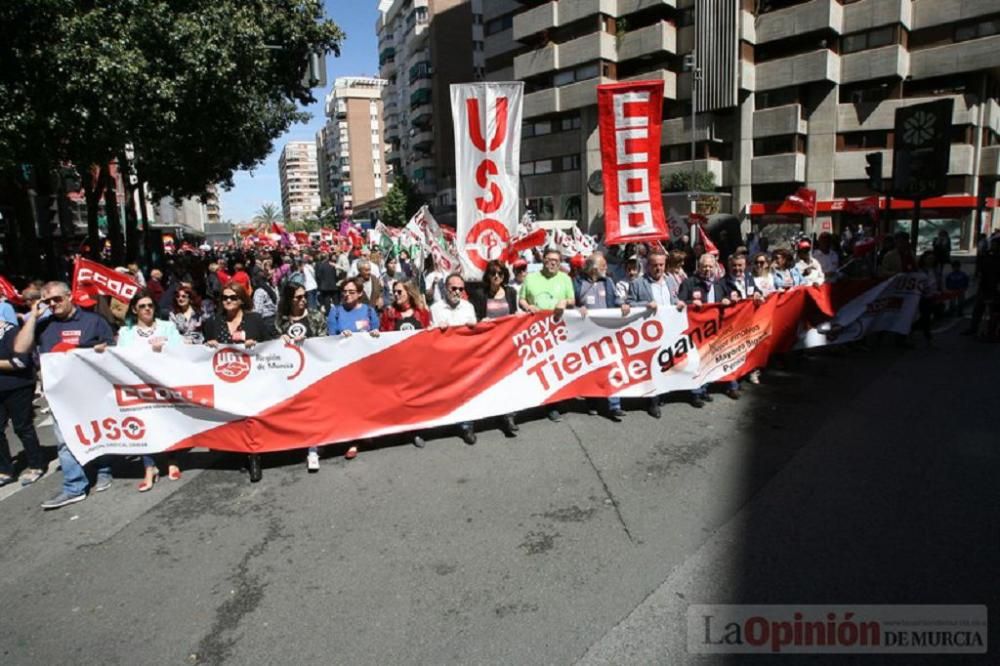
x,y
267,214
680,181
200,88
402,202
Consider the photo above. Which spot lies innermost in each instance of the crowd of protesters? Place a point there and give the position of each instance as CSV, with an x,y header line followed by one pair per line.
x,y
238,297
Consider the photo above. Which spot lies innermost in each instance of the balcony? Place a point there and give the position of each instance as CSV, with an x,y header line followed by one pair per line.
x,y
387,54
779,120
569,12
868,14
626,7
596,45
882,116
678,130
821,65
668,77
783,168
580,94
935,12
423,140
420,98
536,62
989,161
888,61
799,19
541,103
973,55
652,39
535,20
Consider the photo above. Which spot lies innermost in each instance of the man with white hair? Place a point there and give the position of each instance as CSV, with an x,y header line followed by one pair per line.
x,y
702,288
68,327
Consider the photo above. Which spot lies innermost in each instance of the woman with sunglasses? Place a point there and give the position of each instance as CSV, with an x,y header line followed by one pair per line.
x,y
235,323
762,275
144,331
186,315
407,312
296,322
351,316
497,298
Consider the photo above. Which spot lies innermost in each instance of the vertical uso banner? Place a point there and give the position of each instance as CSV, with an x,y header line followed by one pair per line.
x,y
487,119
629,116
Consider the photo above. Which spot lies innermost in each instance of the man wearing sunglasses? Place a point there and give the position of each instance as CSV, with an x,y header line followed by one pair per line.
x,y
455,310
67,328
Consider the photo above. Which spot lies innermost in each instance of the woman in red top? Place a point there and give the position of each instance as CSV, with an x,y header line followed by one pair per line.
x,y
407,312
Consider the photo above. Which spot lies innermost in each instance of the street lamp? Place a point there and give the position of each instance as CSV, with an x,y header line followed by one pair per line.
x,y
691,65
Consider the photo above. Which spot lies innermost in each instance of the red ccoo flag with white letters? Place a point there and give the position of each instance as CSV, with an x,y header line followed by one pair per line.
x,y
629,116
91,279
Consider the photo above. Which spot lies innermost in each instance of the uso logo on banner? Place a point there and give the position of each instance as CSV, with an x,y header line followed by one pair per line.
x,y
487,119
629,117
231,365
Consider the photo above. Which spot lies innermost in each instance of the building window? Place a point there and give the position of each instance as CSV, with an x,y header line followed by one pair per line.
x,y
778,145
871,39
985,28
542,207
571,163
499,24
864,140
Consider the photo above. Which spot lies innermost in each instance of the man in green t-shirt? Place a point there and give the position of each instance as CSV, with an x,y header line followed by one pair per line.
x,y
551,289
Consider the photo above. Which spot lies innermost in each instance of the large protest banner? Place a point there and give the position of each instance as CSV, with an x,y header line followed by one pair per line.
x,y
629,117
487,119
280,396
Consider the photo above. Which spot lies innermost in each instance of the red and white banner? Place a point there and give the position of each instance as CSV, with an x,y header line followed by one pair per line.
x,y
8,291
629,117
276,396
91,279
487,119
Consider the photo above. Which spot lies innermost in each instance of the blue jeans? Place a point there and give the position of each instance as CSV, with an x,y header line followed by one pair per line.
x,y
701,391
312,298
74,477
614,402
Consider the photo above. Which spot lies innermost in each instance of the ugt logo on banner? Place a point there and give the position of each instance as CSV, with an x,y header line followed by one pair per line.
x,y
629,117
487,119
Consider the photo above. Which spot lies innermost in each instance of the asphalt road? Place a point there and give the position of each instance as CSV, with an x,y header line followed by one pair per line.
x,y
851,477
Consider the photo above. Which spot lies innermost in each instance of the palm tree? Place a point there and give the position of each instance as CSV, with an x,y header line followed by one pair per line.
x,y
267,214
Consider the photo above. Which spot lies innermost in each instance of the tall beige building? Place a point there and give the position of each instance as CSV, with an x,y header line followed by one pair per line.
x,y
299,174
424,47
351,146
791,93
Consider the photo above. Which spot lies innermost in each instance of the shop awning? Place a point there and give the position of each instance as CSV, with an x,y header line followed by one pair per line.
x,y
837,205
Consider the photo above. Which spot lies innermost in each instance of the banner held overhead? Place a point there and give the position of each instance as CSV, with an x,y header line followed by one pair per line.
x,y
487,119
629,117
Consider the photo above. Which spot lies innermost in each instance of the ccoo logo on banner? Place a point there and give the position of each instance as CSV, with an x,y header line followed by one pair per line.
x,y
629,116
487,119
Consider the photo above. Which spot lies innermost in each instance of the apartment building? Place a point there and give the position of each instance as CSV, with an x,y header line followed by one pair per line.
x,y
299,173
351,147
790,93
424,47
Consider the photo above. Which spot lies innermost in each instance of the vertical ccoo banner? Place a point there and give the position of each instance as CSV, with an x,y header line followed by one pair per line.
x,y
487,119
629,116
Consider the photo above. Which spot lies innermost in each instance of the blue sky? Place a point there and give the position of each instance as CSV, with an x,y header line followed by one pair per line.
x,y
358,57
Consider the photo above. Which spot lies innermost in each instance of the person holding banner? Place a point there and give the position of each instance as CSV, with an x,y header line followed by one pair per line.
x,y
407,312
454,311
593,289
652,290
296,321
701,288
497,299
786,275
236,323
144,331
548,289
67,327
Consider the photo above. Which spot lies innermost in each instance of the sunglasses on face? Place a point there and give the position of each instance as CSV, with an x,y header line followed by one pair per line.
x,y
144,306
398,292
456,289
760,262
230,297
52,300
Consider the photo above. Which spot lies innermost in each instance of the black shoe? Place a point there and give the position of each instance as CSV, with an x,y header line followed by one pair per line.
x,y
513,423
255,471
696,402
419,442
555,416
733,394
468,436
508,426
654,411
591,411
707,397
616,414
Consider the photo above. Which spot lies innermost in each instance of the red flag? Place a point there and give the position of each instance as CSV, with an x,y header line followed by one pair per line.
x,y
521,243
710,247
302,237
9,292
91,279
804,200
868,206
629,117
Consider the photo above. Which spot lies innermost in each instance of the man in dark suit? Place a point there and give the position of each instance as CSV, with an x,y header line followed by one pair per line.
x,y
706,286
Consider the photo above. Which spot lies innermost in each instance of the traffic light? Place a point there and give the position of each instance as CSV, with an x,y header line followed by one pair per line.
x,y
874,171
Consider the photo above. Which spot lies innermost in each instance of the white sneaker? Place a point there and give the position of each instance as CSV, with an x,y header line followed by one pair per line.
x,y
312,461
